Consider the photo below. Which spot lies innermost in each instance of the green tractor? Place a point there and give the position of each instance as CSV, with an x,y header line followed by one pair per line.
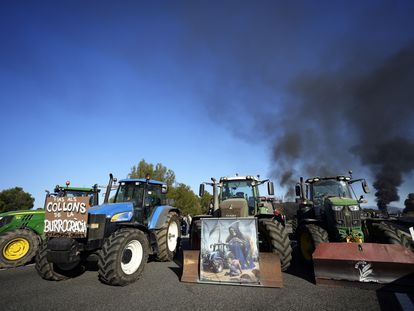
x,y
345,243
329,211
22,231
238,196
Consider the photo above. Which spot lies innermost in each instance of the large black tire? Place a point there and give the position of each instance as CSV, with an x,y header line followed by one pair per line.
x,y
55,272
308,238
195,234
17,247
273,237
168,238
294,225
123,257
388,234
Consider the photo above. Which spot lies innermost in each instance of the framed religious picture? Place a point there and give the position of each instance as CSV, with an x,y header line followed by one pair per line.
x,y
229,251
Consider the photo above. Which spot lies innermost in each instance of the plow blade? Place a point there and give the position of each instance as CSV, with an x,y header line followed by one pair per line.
x,y
270,270
366,263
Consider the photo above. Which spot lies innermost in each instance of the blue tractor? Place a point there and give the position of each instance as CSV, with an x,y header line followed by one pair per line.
x,y
120,235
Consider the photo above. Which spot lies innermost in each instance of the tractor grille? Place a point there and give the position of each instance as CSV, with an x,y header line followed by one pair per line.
x,y
27,217
96,233
25,220
346,218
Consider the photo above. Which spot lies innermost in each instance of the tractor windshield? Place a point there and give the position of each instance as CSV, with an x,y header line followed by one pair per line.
x,y
238,189
331,188
77,193
129,192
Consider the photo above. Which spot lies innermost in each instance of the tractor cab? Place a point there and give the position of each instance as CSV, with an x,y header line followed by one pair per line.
x,y
144,195
67,191
238,196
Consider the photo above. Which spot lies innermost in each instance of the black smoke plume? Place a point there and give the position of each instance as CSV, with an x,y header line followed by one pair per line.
x,y
348,112
330,87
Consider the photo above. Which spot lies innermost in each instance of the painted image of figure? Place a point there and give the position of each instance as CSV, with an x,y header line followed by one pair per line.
x,y
235,268
240,248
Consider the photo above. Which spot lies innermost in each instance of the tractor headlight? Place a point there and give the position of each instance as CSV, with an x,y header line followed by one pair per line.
x,y
124,216
353,208
337,208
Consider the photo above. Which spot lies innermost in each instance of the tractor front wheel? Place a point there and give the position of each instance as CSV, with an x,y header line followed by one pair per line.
x,y
273,237
123,257
168,238
309,237
17,247
52,271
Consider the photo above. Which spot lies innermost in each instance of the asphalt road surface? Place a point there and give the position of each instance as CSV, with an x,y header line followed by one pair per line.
x,y
160,289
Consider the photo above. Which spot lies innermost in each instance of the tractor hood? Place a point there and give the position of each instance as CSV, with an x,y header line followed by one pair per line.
x,y
338,201
22,212
111,209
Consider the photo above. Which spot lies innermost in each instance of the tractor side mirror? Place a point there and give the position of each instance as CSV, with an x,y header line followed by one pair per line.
x,y
365,187
298,191
164,189
201,190
270,188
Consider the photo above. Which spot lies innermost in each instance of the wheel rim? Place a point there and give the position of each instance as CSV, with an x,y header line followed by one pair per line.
x,y
16,249
306,246
131,257
172,236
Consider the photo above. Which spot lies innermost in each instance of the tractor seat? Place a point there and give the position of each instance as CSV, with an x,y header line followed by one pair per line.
x,y
240,195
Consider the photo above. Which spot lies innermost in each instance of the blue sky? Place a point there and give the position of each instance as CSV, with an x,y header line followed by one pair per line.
x,y
93,87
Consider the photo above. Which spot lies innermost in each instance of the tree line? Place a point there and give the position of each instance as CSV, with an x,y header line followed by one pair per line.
x,y
181,194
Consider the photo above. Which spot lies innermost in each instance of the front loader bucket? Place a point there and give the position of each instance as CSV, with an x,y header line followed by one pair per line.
x,y
366,262
270,270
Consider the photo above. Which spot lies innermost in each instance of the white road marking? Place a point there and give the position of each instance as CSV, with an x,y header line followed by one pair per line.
x,y
405,301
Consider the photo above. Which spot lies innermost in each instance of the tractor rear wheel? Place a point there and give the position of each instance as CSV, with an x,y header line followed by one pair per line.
x,y
195,234
388,234
17,247
273,237
308,238
55,272
168,238
123,257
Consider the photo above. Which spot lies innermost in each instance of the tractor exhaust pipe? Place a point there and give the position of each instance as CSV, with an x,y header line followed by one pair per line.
x,y
215,194
108,188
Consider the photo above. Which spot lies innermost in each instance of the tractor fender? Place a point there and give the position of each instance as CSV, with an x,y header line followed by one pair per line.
x,y
159,216
310,221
